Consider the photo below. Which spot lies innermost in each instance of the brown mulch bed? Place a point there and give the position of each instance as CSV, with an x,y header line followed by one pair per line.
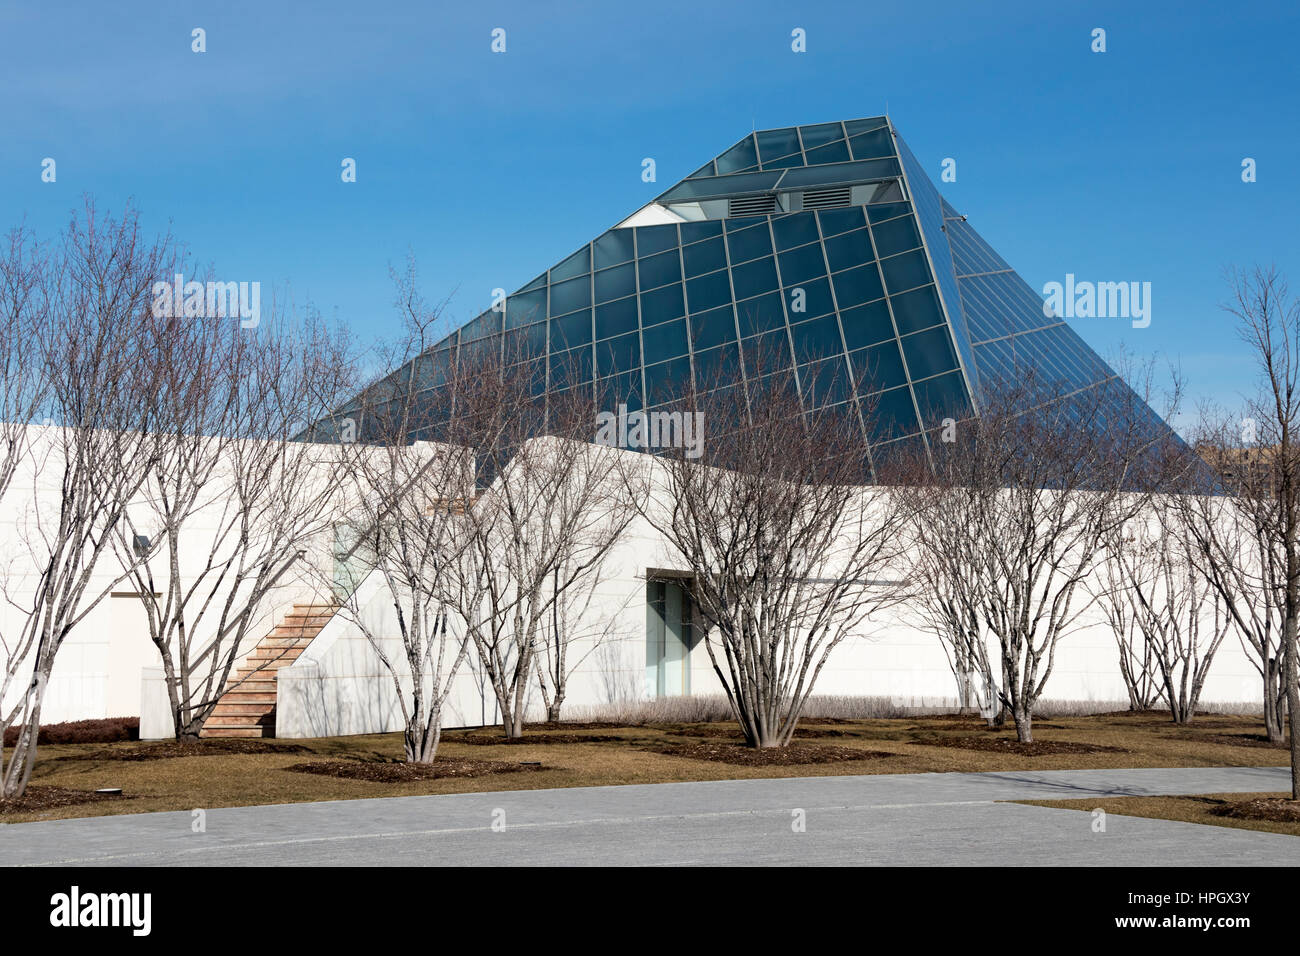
x,y
48,798
1275,809
205,747
1009,745
489,740
732,733
399,772
744,756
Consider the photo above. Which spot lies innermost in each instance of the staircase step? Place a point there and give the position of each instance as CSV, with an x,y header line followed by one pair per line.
x,y
220,730
226,708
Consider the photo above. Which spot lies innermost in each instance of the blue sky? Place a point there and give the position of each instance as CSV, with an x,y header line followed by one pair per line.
x,y
1123,165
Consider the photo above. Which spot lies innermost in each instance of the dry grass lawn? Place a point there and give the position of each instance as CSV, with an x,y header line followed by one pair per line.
x,y
1196,808
601,755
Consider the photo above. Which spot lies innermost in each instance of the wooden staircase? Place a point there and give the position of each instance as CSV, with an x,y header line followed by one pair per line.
x,y
247,708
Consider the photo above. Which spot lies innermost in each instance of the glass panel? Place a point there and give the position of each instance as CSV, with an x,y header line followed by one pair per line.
x,y
668,381
739,157
664,341
708,292
872,145
862,125
754,278
857,286
767,353
916,310
835,221
526,343
795,230
867,324
897,235
824,383
615,283
567,296
803,264
613,248
719,186
832,153
488,323
713,328
888,210
571,331
749,244
871,170
577,264
695,231
705,257
622,389
848,250
570,368
889,414
817,339
808,299
614,318
906,271
929,353
760,314
777,143
621,354
662,305
652,239
660,270
525,308
878,367
820,134
942,397
715,368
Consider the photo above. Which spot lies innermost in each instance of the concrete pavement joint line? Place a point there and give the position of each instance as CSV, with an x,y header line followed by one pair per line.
x,y
554,824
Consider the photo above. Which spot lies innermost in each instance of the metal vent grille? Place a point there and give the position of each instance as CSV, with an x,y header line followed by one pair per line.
x,y
827,198
751,205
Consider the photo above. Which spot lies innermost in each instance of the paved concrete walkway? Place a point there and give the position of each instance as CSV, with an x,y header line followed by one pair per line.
x,y
887,819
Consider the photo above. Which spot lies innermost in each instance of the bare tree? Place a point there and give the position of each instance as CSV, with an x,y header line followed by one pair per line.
x,y
542,525
786,545
1158,587
84,468
1029,489
1263,480
232,500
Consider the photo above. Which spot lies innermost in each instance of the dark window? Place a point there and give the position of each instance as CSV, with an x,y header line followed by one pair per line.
x,y
664,341
660,270
801,265
906,271
572,330
570,368
576,265
615,283
835,221
808,299
571,295
942,397
717,367
740,157
890,414
817,339
652,239
667,381
614,318
749,243
767,353
878,367
713,328
897,235
831,153
888,210
760,314
848,250
708,292
867,324
754,278
916,310
820,134
705,257
613,247
662,305
774,144
872,145
929,353
859,285
525,308
695,231
795,230
621,354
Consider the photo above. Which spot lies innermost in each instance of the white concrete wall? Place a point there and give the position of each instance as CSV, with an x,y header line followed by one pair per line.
x,y
339,687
